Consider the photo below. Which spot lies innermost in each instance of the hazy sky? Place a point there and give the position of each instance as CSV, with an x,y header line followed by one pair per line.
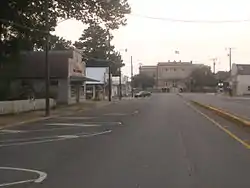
x,y
150,41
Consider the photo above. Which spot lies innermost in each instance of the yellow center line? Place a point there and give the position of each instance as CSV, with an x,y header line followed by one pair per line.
x,y
220,126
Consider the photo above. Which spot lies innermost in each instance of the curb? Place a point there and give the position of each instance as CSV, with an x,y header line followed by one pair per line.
x,y
46,118
224,114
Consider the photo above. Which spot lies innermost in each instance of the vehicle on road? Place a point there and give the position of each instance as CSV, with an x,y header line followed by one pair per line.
x,y
143,94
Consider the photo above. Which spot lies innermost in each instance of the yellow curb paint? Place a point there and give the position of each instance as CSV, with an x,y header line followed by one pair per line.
x,y
224,114
221,127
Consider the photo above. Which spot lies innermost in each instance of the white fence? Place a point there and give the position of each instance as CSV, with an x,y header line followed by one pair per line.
x,y
14,107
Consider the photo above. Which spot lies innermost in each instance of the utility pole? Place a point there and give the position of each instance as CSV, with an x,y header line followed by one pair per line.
x,y
47,66
132,75
110,82
214,64
120,84
230,59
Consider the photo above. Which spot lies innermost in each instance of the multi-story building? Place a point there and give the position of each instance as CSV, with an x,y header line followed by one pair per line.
x,y
149,70
172,75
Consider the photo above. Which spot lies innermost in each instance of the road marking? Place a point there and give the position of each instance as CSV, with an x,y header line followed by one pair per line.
x,y
115,114
68,136
39,130
220,126
76,118
73,124
11,131
29,139
135,112
56,138
42,176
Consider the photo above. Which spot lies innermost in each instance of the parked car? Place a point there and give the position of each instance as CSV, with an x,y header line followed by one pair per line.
x,y
143,94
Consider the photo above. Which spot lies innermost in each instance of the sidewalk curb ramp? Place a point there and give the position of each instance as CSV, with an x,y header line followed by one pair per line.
x,y
226,115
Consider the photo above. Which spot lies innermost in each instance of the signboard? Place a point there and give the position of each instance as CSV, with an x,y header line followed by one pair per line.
x,y
76,65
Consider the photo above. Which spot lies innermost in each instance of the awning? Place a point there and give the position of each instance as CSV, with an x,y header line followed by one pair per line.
x,y
81,79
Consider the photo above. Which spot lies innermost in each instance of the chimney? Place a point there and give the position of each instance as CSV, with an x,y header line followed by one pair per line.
x,y
191,62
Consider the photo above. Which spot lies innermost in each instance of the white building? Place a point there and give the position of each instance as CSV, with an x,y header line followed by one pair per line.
x,y
240,79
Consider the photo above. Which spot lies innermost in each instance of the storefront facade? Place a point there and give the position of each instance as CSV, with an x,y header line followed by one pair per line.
x,y
67,75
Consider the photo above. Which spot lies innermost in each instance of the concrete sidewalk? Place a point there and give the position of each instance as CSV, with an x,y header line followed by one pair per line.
x,y
10,120
238,106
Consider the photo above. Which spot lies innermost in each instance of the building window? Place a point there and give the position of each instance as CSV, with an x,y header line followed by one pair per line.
x,y
248,88
166,69
174,69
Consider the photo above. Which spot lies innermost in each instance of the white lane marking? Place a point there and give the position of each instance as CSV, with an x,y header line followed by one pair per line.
x,y
68,136
115,114
16,182
73,124
136,112
29,139
42,176
11,131
76,118
43,130
55,139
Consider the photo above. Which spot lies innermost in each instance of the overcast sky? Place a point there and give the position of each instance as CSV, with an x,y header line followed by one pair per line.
x,y
150,41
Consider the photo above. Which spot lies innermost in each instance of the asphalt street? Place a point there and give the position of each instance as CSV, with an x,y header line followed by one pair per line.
x,y
159,142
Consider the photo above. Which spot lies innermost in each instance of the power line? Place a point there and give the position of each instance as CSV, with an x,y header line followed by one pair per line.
x,y
189,21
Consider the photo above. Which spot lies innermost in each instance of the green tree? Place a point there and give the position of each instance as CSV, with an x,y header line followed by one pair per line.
x,y
59,43
203,77
23,23
222,75
143,81
95,43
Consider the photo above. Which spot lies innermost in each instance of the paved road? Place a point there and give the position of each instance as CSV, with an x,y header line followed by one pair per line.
x,y
155,142
236,105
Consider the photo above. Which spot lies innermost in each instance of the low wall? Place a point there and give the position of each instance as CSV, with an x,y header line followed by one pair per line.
x,y
13,107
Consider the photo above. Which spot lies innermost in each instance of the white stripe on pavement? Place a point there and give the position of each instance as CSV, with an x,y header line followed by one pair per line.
x,y
42,176
73,124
